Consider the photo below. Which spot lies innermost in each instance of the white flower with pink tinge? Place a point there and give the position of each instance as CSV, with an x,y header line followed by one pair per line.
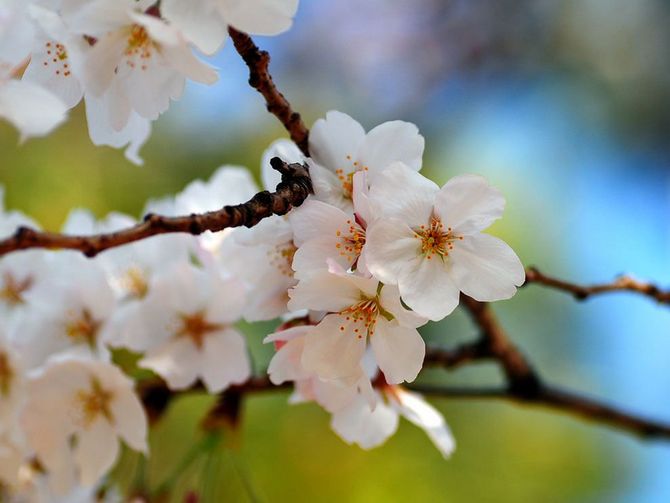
x,y
428,241
359,310
339,147
75,414
184,327
139,61
322,231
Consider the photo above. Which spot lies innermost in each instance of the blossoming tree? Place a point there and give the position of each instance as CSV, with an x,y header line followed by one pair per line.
x,y
348,244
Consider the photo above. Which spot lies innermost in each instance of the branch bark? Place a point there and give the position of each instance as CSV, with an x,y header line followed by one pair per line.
x,y
260,79
583,292
562,401
294,188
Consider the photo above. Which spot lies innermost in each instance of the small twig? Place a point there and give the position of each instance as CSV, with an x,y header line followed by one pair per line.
x,y
292,191
562,401
260,79
583,292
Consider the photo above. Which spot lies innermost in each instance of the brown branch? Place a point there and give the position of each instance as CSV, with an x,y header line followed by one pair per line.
x,y
583,292
562,401
260,79
292,191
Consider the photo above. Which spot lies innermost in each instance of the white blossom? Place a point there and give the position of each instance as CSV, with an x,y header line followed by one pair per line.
x,y
76,412
340,147
429,241
359,310
184,328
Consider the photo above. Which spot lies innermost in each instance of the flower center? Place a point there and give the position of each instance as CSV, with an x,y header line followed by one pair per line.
x,y
58,57
134,282
363,315
6,374
196,327
351,241
434,239
138,45
346,178
281,256
13,289
83,328
94,402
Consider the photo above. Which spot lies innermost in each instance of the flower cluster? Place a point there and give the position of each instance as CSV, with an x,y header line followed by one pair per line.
x,y
375,253
126,59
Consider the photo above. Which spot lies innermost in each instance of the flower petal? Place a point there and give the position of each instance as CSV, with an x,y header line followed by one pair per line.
x,y
468,204
199,21
399,351
390,142
390,246
399,192
225,360
332,353
334,141
259,17
426,286
486,268
358,424
416,410
97,449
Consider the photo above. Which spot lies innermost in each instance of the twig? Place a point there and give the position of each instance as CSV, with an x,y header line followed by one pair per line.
x,y
292,191
562,401
583,292
260,79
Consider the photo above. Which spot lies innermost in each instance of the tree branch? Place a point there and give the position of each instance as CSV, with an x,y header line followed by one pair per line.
x,y
563,401
260,79
582,292
294,188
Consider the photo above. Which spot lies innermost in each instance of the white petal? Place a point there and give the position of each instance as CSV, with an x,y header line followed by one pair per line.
x,y
334,141
468,204
33,110
486,268
130,420
184,61
390,247
332,353
97,449
102,61
391,142
259,17
178,362
324,291
390,301
415,409
315,219
225,360
286,364
328,188
399,351
399,192
426,286
199,21
358,424
135,133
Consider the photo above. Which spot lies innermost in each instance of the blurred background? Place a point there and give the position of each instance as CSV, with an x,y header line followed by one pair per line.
x,y
565,106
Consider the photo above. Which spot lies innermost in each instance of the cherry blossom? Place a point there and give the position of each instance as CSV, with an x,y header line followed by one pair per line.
x,y
323,232
359,310
340,147
76,411
139,60
184,328
429,241
66,315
